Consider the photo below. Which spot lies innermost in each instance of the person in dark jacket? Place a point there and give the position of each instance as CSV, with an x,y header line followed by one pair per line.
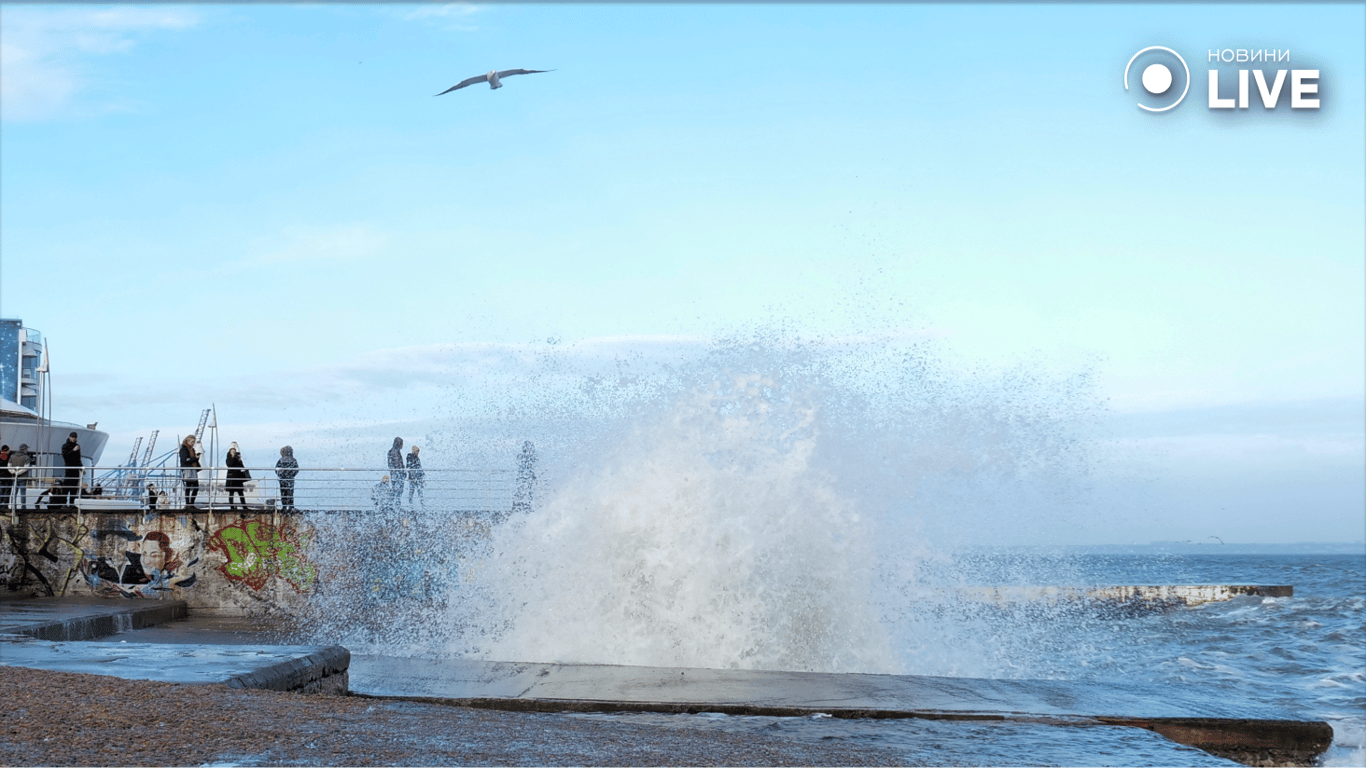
x,y
19,462
396,471
286,469
71,458
417,479
6,479
189,470
237,478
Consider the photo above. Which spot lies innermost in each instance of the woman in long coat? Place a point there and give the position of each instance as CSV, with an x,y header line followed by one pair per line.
x,y
189,470
237,477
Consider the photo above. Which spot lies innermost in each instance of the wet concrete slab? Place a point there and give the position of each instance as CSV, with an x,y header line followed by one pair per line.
x,y
1248,732
306,669
74,634
77,618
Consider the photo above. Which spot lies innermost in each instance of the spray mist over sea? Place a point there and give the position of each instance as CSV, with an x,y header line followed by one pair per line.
x,y
769,504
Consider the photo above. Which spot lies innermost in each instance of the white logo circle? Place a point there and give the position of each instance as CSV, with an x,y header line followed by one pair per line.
x,y
1157,78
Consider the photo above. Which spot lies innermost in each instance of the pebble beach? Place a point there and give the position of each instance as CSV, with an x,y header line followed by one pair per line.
x,y
60,718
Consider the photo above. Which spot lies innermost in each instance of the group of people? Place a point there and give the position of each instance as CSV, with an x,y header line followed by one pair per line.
x,y
14,469
286,469
15,466
388,492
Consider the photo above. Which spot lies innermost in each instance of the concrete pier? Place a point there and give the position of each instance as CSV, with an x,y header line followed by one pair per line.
x,y
1252,734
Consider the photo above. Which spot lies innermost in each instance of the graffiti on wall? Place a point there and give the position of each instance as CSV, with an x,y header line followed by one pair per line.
x,y
150,570
253,551
47,567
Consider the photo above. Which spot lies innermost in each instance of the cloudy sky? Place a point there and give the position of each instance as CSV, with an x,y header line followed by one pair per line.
x,y
266,209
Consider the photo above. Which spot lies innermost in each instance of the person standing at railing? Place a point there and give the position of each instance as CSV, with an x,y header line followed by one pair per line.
x,y
417,479
19,462
238,476
6,479
383,495
396,471
189,470
286,469
71,457
524,496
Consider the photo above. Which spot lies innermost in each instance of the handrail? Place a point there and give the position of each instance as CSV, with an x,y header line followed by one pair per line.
x,y
314,488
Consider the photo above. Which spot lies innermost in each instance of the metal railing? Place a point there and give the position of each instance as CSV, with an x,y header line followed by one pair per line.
x,y
314,488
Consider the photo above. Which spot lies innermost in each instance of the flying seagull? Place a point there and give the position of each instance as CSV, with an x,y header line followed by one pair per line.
x,y
493,78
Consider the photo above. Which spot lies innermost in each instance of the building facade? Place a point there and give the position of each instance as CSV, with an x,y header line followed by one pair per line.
x,y
21,359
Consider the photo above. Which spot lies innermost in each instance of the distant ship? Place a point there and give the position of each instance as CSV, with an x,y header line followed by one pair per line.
x,y
25,412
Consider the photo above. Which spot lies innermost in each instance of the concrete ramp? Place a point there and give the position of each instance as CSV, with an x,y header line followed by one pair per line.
x,y
1253,734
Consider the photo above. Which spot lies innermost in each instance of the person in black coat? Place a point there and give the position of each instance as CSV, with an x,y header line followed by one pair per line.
x,y
286,469
237,478
189,470
6,478
396,471
71,457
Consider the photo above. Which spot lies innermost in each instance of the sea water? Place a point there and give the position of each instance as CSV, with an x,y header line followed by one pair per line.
x,y
1305,654
793,506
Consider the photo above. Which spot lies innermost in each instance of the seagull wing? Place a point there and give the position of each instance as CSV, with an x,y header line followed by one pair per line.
x,y
511,72
465,82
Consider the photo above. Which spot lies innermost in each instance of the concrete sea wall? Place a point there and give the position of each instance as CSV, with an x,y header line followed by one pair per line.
x,y
231,562
286,564
245,564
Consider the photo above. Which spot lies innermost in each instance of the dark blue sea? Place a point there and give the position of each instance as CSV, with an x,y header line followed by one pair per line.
x,y
1305,654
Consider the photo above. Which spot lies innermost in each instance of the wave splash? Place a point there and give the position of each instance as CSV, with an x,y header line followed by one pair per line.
x,y
772,509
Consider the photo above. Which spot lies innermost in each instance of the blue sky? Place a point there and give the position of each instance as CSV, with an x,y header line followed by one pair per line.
x,y
265,208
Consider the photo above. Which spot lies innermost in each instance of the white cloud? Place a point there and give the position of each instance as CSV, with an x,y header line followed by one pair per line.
x,y
48,56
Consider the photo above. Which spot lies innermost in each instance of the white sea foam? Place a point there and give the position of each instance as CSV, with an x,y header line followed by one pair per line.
x,y
773,509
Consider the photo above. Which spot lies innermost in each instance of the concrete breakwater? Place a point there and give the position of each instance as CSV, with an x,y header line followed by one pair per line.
x,y
1157,597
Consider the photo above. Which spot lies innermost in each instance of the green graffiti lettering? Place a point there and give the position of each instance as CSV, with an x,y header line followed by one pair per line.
x,y
254,551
